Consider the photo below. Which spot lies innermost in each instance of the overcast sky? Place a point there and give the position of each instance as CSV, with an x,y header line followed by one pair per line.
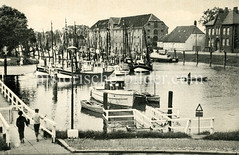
x,y
174,13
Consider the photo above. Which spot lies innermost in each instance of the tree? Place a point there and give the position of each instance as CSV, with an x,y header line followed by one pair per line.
x,y
13,28
209,15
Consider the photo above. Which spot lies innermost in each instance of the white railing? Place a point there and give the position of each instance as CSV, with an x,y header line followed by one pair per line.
x,y
5,129
192,123
159,120
47,125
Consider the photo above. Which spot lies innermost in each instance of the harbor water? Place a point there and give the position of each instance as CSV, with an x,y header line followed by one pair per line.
x,y
218,96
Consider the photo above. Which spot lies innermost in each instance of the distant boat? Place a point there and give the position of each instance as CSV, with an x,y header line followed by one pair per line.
x,y
162,56
42,72
117,95
92,106
191,78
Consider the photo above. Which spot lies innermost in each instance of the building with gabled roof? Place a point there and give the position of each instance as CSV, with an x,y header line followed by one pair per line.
x,y
124,34
222,33
184,38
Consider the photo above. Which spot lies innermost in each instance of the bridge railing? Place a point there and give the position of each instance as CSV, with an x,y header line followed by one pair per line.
x,y
47,125
5,129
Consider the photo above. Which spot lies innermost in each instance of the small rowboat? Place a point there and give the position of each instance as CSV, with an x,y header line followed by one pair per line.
x,y
194,79
92,106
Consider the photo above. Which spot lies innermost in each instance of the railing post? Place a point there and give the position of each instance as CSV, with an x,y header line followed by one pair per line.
x,y
54,133
8,137
189,127
212,126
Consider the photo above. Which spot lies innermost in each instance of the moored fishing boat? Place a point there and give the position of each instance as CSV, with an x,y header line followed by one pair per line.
x,y
117,95
162,56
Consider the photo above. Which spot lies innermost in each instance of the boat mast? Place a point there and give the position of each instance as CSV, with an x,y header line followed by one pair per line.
x,y
76,45
52,43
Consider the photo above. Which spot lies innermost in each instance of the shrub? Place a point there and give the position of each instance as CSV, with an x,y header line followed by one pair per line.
x,y
3,144
123,134
234,135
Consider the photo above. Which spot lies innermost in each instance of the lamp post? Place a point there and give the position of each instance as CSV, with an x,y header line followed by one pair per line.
x,y
72,48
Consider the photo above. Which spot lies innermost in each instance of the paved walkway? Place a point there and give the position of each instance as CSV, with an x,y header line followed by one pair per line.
x,y
31,146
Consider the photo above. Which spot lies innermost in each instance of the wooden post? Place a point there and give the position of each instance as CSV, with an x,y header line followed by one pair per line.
x,y
105,101
210,57
5,67
170,106
196,56
225,59
183,57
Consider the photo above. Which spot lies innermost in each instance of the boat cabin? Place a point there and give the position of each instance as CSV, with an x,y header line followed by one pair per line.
x,y
114,84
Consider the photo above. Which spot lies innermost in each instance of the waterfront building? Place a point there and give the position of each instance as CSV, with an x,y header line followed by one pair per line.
x,y
183,38
125,35
222,33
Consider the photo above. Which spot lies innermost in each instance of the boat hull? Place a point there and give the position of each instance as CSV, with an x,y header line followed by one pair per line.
x,y
115,97
92,106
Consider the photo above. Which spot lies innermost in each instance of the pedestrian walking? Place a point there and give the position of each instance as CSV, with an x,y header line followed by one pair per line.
x,y
36,118
21,121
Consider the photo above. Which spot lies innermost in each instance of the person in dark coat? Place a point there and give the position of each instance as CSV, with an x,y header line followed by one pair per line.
x,y
21,121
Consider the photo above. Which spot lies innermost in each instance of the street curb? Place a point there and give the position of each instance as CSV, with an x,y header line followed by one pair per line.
x,y
73,150
65,145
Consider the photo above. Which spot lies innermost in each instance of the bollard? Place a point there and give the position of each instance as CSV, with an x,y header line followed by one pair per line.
x,y
170,106
225,59
210,58
105,101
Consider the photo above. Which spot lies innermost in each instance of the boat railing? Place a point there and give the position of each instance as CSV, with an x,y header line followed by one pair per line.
x,y
47,125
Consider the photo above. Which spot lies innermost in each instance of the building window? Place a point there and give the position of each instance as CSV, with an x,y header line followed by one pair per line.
x,y
223,42
155,25
155,38
212,43
149,37
228,31
148,30
209,43
224,31
219,31
209,32
228,43
212,31
155,32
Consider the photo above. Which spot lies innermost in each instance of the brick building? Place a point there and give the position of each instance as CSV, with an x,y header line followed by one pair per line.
x,y
222,33
126,34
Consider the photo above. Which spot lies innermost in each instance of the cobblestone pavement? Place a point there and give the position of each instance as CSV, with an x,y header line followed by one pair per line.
x,y
155,144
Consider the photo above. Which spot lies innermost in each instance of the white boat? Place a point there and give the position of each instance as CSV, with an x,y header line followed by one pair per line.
x,y
162,56
117,95
42,72
92,106
121,70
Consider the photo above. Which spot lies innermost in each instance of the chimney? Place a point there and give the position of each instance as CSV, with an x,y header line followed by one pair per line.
x,y
235,9
226,9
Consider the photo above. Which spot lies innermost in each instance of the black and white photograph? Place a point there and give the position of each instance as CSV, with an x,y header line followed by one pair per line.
x,y
119,77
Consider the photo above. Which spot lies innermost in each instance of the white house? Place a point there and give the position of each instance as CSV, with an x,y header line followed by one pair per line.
x,y
184,38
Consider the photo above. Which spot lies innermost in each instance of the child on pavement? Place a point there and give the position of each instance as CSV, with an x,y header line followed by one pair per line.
x,y
21,121
36,118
